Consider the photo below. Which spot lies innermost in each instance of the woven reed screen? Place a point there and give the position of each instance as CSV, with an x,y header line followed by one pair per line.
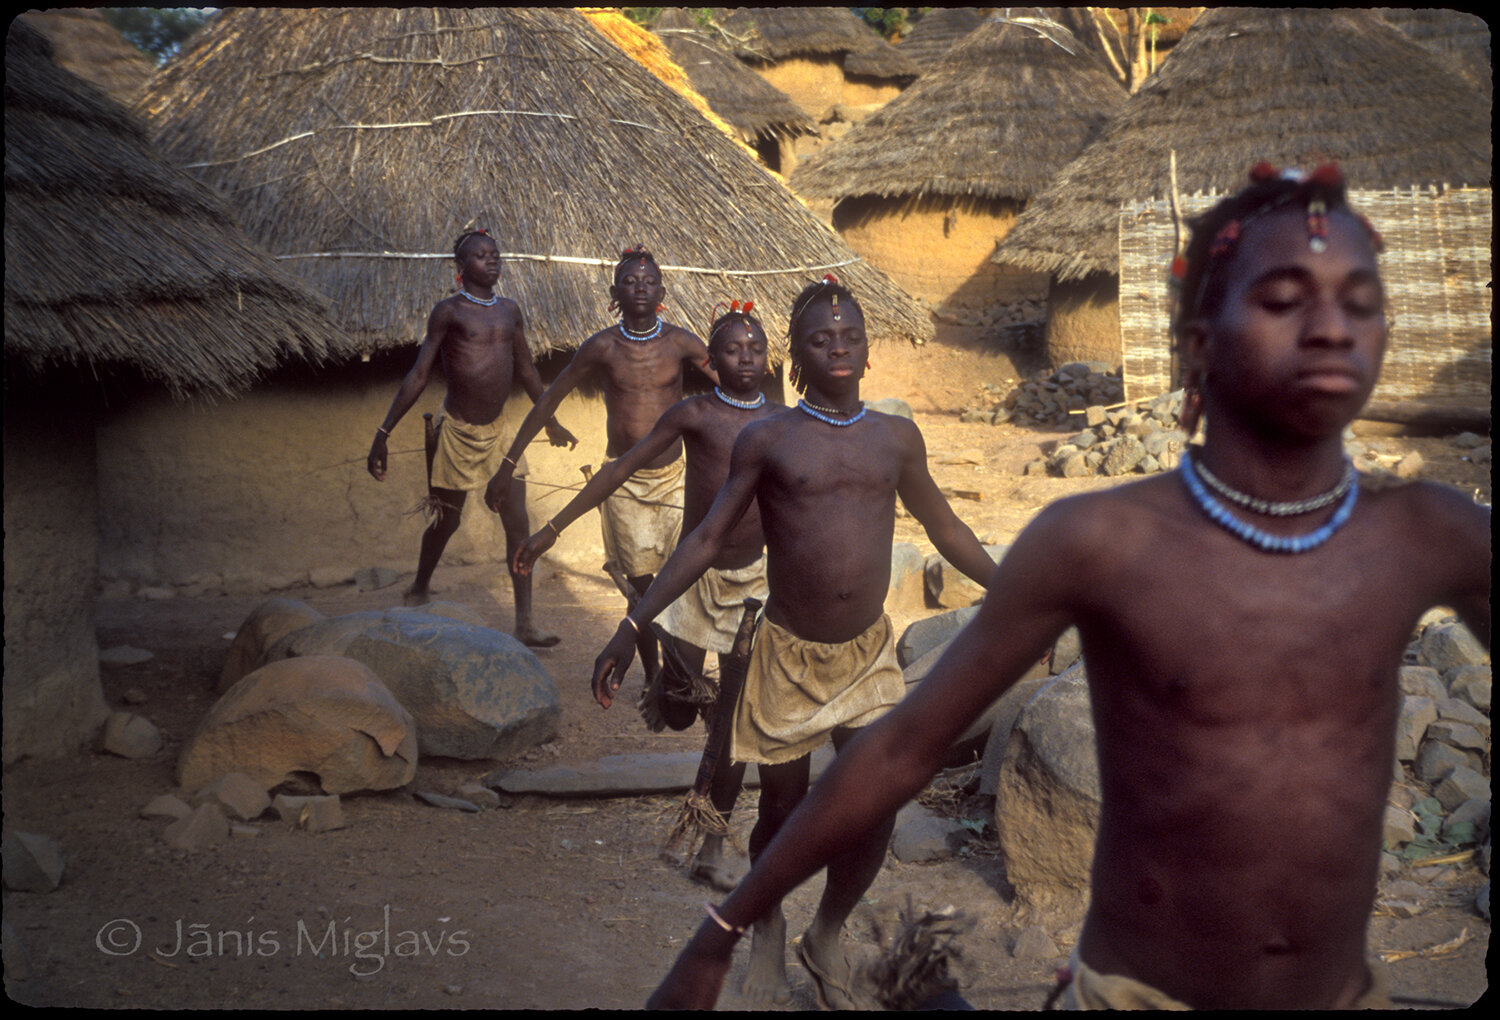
x,y
1436,269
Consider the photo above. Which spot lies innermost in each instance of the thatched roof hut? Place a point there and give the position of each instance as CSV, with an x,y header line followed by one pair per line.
x,y
166,286
358,143
769,34
760,112
85,44
927,184
1459,36
1290,86
932,36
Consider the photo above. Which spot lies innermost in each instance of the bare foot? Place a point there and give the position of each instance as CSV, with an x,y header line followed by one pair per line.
x,y
710,868
533,638
416,597
765,980
835,976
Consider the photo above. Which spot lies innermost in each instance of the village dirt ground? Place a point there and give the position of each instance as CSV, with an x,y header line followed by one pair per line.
x,y
546,904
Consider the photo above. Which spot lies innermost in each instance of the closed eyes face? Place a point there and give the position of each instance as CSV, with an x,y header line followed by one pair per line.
x,y
739,354
833,346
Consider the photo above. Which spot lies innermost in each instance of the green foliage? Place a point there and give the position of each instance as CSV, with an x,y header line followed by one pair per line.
x,y
888,21
159,32
643,16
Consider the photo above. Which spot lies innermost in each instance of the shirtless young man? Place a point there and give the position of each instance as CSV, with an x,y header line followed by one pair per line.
x,y
707,616
640,364
480,338
825,477
1245,712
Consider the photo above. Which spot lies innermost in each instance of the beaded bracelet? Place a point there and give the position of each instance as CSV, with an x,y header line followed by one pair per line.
x,y
733,929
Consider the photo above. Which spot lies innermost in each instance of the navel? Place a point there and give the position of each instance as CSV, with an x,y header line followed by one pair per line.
x,y
846,594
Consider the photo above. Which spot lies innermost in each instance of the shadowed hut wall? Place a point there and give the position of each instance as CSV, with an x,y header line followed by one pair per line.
x,y
938,248
53,700
270,490
817,84
1083,321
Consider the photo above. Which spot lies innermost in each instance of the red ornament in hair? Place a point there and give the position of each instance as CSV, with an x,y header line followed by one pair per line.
x,y
1262,172
748,305
1328,174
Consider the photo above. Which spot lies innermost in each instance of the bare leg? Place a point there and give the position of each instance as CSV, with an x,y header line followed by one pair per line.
x,y
782,787
517,528
434,541
710,866
645,642
850,875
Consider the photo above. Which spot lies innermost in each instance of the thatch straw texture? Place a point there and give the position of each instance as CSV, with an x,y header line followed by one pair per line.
x,y
739,95
359,143
1290,86
1459,36
116,264
84,44
773,33
1000,115
934,35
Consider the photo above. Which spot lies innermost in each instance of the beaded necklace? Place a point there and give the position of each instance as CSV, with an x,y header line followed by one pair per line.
x,y
1263,540
479,301
823,413
641,338
1288,509
745,405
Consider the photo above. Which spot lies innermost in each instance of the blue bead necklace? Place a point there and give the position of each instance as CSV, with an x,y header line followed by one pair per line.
x,y
479,301
746,405
640,338
1263,540
826,417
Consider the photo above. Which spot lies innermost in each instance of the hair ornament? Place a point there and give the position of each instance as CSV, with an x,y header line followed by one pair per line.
x,y
1317,226
749,306
1225,240
1328,175
1262,172
1178,271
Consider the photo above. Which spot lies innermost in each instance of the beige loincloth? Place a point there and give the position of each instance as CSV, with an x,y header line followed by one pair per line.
x,y
1090,989
468,455
642,519
708,614
796,692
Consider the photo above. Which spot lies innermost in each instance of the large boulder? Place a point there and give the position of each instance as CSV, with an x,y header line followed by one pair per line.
x,y
267,623
972,741
931,632
908,585
951,588
1047,805
474,692
322,714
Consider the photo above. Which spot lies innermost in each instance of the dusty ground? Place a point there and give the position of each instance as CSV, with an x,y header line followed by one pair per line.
x,y
545,904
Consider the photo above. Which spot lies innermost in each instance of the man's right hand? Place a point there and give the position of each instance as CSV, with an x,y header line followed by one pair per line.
x,y
375,462
499,487
610,667
531,550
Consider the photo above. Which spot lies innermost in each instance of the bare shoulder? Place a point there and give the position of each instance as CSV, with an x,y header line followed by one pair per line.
x,y
686,341
1099,526
1440,513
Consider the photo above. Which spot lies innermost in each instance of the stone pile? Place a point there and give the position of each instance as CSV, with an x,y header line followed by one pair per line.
x,y
1048,398
1143,439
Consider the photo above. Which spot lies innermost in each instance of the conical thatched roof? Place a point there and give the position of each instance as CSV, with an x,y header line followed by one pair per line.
x,y
936,32
1290,86
84,44
358,144
775,33
118,264
999,116
736,93
1459,36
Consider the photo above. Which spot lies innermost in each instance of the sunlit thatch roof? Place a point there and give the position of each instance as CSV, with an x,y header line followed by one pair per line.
x,y
1292,86
1459,36
118,265
736,93
84,44
998,117
932,36
775,33
356,143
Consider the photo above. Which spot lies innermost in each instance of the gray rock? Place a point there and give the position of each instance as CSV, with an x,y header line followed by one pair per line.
x,y
1047,807
1462,711
322,714
1474,813
315,814
166,806
477,793
205,827
1398,827
1436,760
1457,734
1447,646
237,794
130,736
267,623
978,730
124,655
239,830
438,800
1462,784
1165,441
1472,684
908,583
473,692
1416,713
1409,466
1076,464
926,634
891,405
1123,455
624,775
31,862
375,578
1094,415
1468,440
951,588
1003,715
1482,902
1034,944
920,835
1066,650
1422,682
1403,898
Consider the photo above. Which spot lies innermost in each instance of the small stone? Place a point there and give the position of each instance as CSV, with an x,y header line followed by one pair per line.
x,y
1472,684
1076,465
1124,454
124,655
1462,711
1468,440
477,793
205,827
31,862
1447,646
1462,784
1035,467
240,796
1409,466
1094,416
130,736
438,800
1437,759
1474,813
1416,713
1422,682
1399,827
1034,944
239,830
166,806
315,814
1457,734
